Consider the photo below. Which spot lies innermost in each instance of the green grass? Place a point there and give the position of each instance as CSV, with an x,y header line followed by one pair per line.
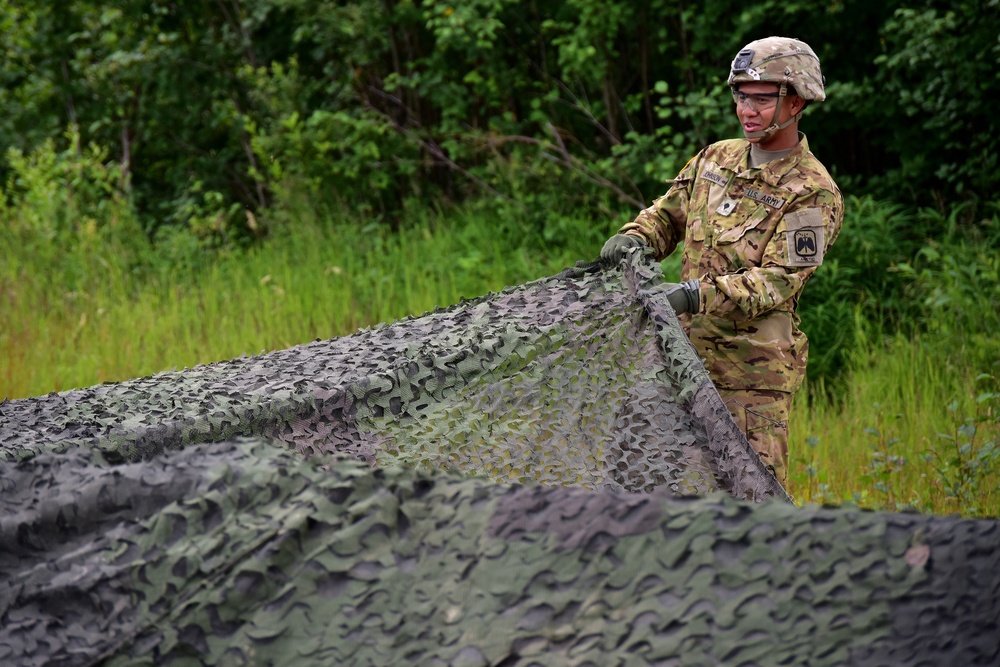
x,y
85,299
908,431
87,315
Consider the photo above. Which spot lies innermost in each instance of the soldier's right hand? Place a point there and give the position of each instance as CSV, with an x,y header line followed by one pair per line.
x,y
615,248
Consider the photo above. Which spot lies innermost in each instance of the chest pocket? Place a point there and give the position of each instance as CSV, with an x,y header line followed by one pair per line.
x,y
742,237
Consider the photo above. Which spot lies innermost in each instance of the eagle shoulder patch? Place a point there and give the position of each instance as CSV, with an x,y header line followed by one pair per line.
x,y
805,237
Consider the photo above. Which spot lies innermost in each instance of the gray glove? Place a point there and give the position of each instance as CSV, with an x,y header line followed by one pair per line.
x,y
615,248
684,297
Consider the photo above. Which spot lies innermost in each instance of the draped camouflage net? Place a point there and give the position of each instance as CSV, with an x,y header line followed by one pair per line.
x,y
540,476
585,379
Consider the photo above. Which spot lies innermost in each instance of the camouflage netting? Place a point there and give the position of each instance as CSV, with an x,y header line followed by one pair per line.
x,y
251,512
584,379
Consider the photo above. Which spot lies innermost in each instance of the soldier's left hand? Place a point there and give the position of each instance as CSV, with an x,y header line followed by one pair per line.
x,y
683,297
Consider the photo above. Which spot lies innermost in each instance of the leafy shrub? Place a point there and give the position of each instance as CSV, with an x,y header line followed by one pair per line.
x,y
967,460
66,209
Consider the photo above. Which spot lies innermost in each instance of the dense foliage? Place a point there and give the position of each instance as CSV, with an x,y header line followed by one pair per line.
x,y
208,125
217,111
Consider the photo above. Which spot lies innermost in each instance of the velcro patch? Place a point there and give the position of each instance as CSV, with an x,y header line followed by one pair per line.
x,y
805,237
718,179
764,198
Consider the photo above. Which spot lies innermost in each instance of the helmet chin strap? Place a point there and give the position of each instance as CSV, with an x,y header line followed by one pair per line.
x,y
769,131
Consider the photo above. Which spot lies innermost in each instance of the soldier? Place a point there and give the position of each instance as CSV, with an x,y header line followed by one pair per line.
x,y
756,216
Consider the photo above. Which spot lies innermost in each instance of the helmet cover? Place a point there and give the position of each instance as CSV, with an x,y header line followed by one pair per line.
x,y
780,60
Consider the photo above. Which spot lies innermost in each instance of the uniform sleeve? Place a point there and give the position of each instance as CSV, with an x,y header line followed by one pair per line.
x,y
663,224
803,235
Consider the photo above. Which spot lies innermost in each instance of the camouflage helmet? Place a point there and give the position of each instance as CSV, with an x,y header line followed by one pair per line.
x,y
781,60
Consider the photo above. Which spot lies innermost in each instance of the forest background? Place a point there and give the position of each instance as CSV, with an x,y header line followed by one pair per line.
x,y
187,181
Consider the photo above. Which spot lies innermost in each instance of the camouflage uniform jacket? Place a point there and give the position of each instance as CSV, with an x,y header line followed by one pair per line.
x,y
752,238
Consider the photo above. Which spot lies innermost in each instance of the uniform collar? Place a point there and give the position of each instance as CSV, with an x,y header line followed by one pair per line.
x,y
774,171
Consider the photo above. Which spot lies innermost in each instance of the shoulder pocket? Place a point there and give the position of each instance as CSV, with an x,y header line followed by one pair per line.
x,y
804,237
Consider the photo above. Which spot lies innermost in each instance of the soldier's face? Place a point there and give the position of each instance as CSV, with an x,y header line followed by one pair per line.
x,y
756,106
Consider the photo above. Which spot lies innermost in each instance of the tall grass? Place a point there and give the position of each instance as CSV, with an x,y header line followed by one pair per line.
x,y
907,431
311,283
916,421
911,421
88,300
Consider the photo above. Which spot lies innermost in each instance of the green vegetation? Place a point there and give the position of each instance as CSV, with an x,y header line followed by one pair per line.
x,y
211,109
184,182
87,298
911,420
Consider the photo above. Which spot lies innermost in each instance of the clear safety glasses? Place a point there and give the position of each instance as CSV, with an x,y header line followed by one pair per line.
x,y
757,101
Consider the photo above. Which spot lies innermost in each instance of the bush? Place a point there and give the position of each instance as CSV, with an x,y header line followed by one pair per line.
x,y
68,209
